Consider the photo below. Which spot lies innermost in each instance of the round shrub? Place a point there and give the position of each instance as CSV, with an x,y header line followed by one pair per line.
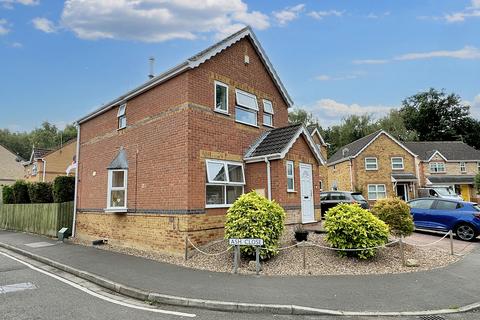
x,y
20,192
396,214
350,227
40,192
7,195
254,216
63,189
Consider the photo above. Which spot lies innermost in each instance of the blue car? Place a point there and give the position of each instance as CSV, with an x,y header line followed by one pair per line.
x,y
444,214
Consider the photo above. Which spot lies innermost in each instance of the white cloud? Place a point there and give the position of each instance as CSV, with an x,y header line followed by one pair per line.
x,y
319,15
326,77
329,111
157,20
4,27
288,14
45,25
469,12
372,15
466,53
8,4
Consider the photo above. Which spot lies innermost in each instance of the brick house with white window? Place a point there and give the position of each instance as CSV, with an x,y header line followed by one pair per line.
x,y
168,158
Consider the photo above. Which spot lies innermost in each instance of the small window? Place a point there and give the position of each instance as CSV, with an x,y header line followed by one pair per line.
x,y
478,166
371,164
320,185
122,117
246,100
397,163
267,113
436,167
225,181
117,189
246,116
290,176
463,167
221,97
376,191
246,108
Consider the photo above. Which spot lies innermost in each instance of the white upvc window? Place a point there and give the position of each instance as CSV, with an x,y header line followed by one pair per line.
x,y
246,108
371,163
290,176
221,97
117,189
478,166
122,116
436,167
267,113
225,183
376,191
397,163
463,167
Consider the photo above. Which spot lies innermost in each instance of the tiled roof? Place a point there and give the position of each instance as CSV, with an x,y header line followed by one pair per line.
x,y
399,177
120,161
40,152
275,141
452,150
353,148
451,179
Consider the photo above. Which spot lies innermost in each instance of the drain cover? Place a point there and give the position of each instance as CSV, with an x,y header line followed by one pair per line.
x,y
431,317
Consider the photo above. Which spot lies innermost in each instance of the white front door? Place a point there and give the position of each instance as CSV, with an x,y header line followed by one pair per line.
x,y
306,193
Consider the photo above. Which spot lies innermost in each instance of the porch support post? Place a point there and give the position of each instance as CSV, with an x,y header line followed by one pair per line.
x,y
269,182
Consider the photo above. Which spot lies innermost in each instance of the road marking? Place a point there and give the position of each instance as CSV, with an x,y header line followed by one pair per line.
x,y
17,287
40,244
175,313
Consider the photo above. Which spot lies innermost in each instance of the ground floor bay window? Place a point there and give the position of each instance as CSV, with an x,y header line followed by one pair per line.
x,y
225,181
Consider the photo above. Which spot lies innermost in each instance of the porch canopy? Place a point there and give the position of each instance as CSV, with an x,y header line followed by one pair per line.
x,y
404,177
462,179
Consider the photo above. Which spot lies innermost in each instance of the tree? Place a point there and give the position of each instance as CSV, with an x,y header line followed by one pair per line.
x,y
393,123
299,115
434,115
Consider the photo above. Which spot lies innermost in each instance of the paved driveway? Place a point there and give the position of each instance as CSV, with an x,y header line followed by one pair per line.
x,y
427,237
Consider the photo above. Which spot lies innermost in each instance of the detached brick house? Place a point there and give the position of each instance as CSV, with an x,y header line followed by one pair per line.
x,y
168,158
447,163
377,165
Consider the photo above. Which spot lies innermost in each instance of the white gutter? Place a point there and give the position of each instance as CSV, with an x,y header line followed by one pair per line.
x,y
76,182
44,168
269,182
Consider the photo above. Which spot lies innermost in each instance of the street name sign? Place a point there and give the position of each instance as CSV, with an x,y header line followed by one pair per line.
x,y
245,242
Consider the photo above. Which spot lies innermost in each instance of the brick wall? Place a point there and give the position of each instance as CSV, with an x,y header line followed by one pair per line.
x,y
340,174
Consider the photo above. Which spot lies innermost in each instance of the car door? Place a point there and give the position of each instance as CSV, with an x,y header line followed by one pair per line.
x,y
332,200
443,214
419,209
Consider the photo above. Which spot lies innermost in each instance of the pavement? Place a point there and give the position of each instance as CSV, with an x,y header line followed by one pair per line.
x,y
447,288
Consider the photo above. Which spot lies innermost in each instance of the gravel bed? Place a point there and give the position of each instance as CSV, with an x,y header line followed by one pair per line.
x,y
318,261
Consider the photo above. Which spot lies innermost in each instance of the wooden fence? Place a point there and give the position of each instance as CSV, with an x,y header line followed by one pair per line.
x,y
40,218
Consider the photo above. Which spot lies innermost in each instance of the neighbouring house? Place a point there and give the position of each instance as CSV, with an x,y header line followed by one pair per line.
x,y
447,163
322,146
377,165
167,159
45,164
11,168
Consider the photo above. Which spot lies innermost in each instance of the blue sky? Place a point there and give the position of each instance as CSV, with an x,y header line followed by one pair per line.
x,y
61,59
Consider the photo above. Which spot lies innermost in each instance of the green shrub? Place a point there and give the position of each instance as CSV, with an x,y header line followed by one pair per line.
x,y
63,189
254,216
20,192
350,227
40,192
396,214
7,195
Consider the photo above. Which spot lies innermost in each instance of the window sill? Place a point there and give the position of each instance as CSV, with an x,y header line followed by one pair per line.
x,y
225,113
398,169
371,169
120,129
247,124
292,191
217,206
115,210
268,126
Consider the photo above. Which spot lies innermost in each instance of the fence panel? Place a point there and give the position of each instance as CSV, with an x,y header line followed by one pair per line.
x,y
40,218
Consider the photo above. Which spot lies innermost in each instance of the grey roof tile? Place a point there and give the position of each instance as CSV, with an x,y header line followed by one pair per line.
x,y
353,148
120,161
452,150
275,141
451,179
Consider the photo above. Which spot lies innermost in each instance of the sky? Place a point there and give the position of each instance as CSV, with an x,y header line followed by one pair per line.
x,y
60,60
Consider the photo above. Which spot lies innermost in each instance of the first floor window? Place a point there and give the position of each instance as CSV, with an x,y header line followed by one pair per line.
x,y
122,117
246,107
246,116
290,176
267,113
463,167
397,163
376,191
225,181
117,189
437,167
221,97
371,164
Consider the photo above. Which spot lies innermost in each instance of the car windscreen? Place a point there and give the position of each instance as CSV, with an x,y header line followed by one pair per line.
x,y
358,197
445,191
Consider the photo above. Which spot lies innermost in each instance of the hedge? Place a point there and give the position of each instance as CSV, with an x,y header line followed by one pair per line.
x,y
63,189
20,192
40,192
396,214
7,195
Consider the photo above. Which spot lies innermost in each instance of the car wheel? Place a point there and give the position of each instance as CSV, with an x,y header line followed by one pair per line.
x,y
465,232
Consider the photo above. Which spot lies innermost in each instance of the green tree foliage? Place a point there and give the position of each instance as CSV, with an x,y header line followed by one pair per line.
x,y
63,189
350,227
40,192
47,136
393,123
20,192
396,214
7,195
435,115
254,216
299,115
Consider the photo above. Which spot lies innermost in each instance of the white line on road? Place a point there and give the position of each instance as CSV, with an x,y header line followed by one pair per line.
x,y
181,314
